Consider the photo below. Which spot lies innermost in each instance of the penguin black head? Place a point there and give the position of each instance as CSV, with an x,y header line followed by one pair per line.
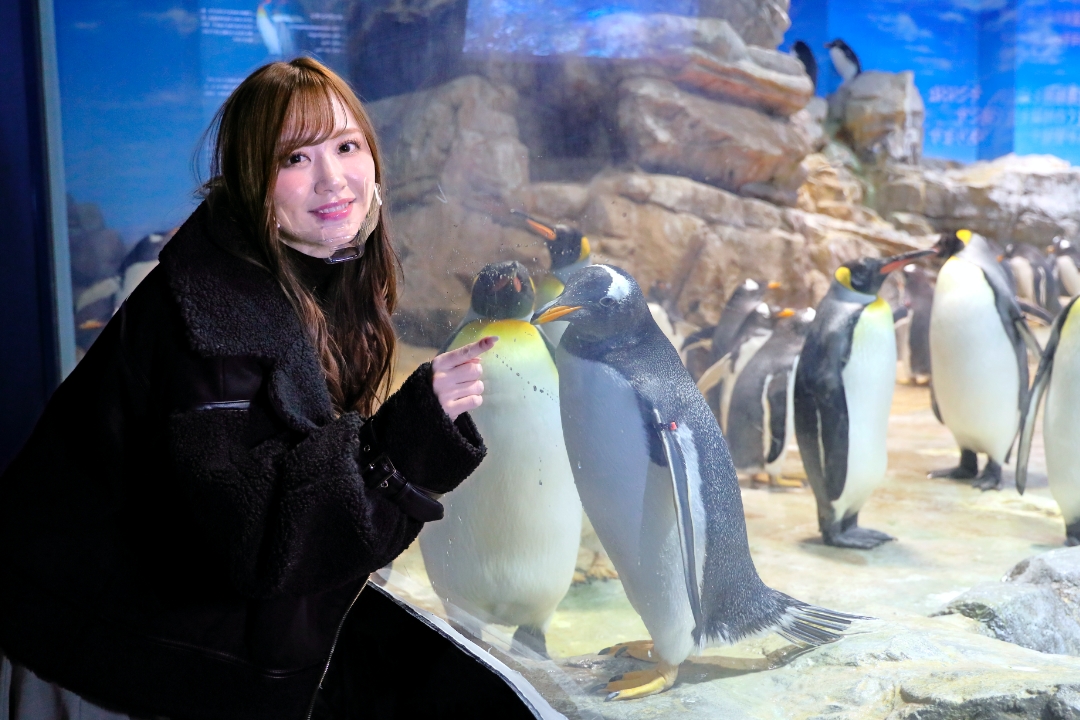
x,y
502,291
952,244
566,245
599,301
806,57
866,275
1061,246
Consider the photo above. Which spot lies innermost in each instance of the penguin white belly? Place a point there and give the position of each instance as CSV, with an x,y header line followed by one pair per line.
x,y
1069,275
869,378
845,68
1025,279
506,550
628,498
1061,422
746,353
976,378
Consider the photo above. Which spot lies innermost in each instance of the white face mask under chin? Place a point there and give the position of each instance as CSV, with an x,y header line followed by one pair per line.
x,y
353,248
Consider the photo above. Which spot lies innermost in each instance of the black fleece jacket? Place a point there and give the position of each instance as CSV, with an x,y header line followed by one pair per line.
x,y
187,527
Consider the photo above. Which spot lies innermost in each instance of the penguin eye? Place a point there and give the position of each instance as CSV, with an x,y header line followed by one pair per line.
x,y
607,301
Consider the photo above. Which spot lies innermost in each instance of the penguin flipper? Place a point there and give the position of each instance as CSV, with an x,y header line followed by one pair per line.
x,y
1042,381
715,375
776,396
934,405
821,407
680,485
1029,337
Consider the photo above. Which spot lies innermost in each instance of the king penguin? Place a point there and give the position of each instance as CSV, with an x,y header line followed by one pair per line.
x,y
978,355
843,393
844,59
1058,377
656,478
1066,257
761,418
506,550
569,251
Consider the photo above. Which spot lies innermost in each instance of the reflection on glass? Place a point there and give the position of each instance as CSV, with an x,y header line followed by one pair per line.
x,y
729,156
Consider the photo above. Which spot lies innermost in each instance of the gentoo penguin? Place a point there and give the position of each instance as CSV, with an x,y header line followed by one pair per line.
x,y
718,382
1066,257
702,349
977,351
1034,276
843,59
139,262
843,392
1059,377
657,481
806,56
569,250
915,352
761,418
506,550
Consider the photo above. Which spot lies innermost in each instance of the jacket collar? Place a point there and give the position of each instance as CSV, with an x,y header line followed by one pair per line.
x,y
232,307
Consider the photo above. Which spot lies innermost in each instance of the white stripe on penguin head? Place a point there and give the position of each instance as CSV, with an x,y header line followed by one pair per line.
x,y
619,287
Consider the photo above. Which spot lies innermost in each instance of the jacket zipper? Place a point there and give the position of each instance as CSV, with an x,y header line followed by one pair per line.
x,y
333,646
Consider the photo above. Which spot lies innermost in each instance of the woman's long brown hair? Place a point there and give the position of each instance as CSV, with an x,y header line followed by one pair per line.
x,y
277,109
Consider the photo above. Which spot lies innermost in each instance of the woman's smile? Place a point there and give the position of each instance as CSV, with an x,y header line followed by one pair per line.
x,y
335,211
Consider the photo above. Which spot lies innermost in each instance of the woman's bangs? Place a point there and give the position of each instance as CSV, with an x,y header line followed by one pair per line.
x,y
310,118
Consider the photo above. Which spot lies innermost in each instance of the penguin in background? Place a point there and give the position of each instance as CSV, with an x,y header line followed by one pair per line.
x,y
718,382
761,417
138,263
1066,257
806,56
569,251
1058,378
1034,278
705,347
506,550
913,330
977,350
655,477
843,393
843,59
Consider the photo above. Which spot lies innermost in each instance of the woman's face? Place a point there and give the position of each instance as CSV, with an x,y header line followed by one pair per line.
x,y
323,191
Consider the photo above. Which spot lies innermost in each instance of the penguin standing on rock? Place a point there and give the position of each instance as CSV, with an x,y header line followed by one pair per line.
x,y
843,59
977,350
806,56
843,393
1058,378
761,417
506,550
655,477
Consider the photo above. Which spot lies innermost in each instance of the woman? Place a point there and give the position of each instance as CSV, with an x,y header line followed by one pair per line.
x,y
203,499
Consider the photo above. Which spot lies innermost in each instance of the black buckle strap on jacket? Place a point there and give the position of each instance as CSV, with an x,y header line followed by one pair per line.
x,y
381,476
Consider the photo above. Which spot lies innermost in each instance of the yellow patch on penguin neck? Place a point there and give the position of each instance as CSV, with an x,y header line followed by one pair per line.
x,y
964,235
843,276
585,251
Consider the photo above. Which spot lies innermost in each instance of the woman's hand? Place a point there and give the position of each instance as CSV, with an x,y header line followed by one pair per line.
x,y
457,381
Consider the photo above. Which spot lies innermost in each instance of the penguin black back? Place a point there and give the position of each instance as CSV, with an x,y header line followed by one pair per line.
x,y
806,57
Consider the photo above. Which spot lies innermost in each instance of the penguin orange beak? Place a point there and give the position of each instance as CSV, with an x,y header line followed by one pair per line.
x,y
786,312
555,313
898,261
774,285
541,229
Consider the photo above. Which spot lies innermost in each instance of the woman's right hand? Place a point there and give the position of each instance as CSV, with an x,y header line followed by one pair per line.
x,y
456,380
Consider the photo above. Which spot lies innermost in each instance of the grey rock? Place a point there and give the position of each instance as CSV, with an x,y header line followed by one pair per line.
x,y
1035,606
669,130
881,114
758,22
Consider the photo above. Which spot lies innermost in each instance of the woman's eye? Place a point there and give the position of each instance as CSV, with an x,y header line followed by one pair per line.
x,y
350,146
294,159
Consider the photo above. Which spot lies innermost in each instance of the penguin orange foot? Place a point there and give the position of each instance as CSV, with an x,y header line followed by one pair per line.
x,y
968,468
637,649
990,477
641,683
779,481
